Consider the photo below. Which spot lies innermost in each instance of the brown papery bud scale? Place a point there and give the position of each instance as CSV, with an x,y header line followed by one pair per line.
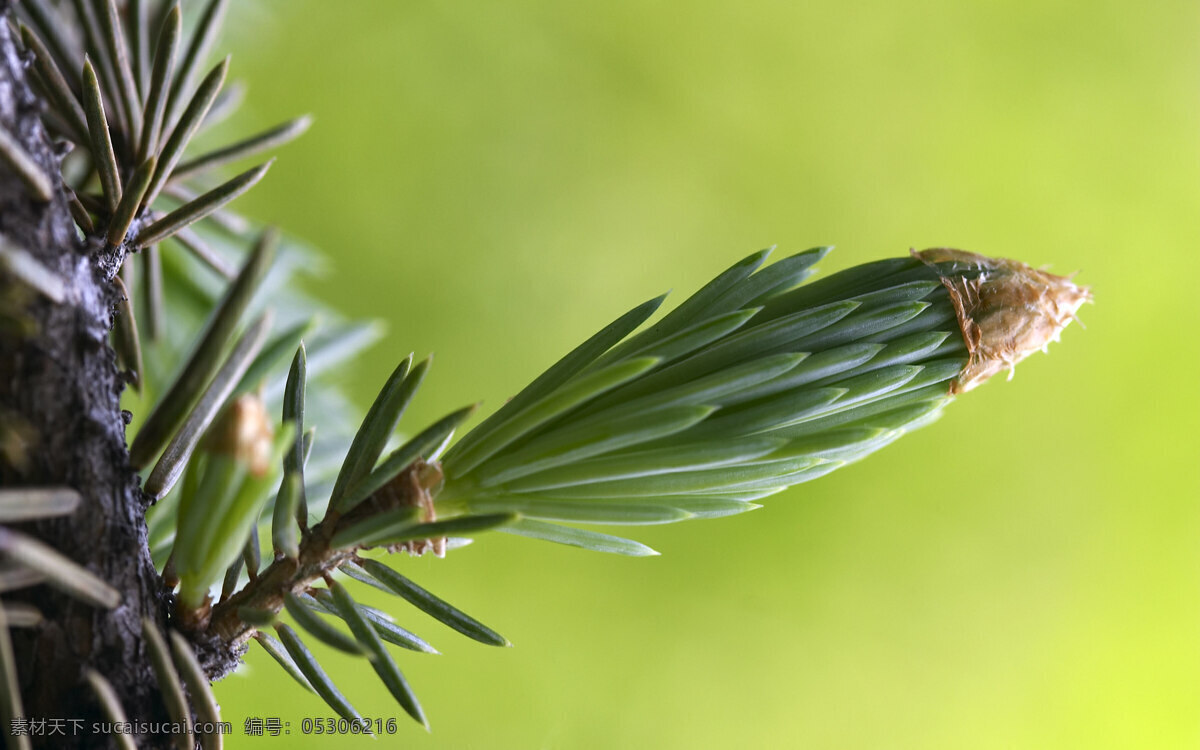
x,y
1006,310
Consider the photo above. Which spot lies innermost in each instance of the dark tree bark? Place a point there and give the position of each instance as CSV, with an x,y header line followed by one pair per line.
x,y
59,390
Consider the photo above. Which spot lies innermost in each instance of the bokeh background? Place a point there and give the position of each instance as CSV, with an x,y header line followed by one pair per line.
x,y
498,180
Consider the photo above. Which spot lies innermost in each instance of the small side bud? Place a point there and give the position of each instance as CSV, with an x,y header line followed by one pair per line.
x,y
243,431
1006,310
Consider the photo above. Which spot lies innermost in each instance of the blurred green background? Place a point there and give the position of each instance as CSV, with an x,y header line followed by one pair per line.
x,y
498,180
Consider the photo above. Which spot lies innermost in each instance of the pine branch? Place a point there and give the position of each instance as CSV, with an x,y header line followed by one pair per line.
x,y
755,383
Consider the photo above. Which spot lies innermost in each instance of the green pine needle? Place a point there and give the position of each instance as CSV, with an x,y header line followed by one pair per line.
x,y
174,458
291,507
420,446
281,655
274,354
117,53
36,181
306,617
553,406
394,534
101,139
93,35
192,242
131,199
396,527
383,576
562,371
110,703
606,512
381,621
139,40
55,85
170,687
582,538
252,146
204,205
156,95
23,265
311,670
227,103
151,272
10,689
378,427
51,27
381,661
185,128
202,39
57,570
80,214
19,504
207,710
171,409
125,339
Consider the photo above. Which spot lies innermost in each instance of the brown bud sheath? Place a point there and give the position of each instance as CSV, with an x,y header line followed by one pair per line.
x,y
1006,310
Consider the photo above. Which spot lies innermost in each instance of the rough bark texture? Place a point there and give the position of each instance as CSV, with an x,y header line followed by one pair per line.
x,y
59,390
